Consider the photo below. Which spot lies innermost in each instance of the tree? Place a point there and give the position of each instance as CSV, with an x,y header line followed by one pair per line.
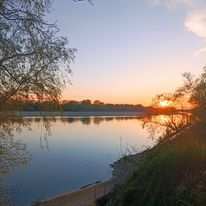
x,y
98,102
192,95
34,60
193,90
86,101
184,94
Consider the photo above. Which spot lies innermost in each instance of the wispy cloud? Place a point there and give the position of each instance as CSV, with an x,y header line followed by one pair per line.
x,y
173,3
200,51
195,21
189,4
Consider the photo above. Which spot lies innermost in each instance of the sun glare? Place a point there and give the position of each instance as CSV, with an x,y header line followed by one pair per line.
x,y
164,103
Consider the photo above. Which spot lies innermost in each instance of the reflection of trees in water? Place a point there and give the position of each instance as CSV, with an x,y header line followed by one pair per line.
x,y
45,127
166,126
4,198
96,120
86,120
12,152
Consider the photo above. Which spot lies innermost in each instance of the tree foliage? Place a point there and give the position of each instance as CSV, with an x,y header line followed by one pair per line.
x,y
34,60
193,91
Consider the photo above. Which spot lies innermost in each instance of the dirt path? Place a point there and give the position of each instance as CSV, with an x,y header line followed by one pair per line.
x,y
83,197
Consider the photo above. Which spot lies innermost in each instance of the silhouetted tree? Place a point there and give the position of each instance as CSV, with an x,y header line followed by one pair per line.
x,y
193,90
98,102
31,52
86,101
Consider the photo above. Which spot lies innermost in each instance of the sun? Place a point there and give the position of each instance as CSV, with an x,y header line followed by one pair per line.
x,y
164,103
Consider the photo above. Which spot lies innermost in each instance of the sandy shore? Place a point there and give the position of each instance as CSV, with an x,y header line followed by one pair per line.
x,y
86,196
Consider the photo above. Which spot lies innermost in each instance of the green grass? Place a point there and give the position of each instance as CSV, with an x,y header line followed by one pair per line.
x,y
1,151
173,173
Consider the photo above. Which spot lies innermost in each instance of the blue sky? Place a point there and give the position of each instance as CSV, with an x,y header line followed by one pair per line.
x,y
130,50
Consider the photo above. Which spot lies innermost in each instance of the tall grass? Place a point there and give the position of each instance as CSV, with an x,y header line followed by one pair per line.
x,y
171,174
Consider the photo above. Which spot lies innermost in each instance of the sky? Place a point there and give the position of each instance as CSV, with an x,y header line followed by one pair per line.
x,y
131,50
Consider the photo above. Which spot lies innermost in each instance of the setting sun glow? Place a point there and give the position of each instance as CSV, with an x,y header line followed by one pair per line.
x,y
164,103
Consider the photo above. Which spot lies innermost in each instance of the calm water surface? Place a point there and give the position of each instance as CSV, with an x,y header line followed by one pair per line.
x,y
64,154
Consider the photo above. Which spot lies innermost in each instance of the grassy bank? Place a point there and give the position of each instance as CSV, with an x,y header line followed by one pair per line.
x,y
173,173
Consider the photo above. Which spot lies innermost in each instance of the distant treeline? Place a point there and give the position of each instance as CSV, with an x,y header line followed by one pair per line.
x,y
82,106
87,105
72,105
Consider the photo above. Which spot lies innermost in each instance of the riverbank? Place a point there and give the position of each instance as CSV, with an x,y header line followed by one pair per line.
x,y
122,171
89,195
85,196
171,173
